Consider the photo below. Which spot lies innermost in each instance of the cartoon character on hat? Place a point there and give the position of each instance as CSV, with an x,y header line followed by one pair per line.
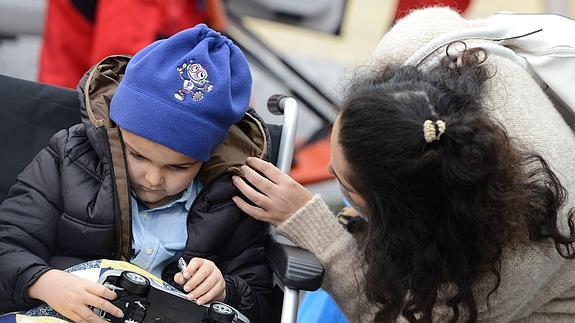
x,y
195,79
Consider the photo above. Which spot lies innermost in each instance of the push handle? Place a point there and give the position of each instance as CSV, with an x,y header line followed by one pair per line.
x,y
279,104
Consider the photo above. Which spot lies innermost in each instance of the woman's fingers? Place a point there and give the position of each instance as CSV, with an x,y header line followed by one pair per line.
x,y
256,197
267,169
253,211
260,182
278,199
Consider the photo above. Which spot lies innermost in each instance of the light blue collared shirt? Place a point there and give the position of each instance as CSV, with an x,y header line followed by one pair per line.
x,y
159,235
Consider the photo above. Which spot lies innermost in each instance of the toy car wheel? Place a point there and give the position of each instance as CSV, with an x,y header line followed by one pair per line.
x,y
134,283
220,312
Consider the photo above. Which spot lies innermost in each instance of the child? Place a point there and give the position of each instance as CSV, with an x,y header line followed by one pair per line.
x,y
146,177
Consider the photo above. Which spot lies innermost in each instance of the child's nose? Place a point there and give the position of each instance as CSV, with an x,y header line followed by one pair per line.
x,y
154,177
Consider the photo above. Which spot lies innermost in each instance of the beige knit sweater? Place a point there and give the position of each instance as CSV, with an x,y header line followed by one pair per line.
x,y
537,285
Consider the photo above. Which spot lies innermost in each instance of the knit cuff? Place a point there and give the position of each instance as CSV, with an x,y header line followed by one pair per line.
x,y
313,227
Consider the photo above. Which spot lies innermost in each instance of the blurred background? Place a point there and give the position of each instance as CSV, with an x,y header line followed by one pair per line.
x,y
303,48
298,47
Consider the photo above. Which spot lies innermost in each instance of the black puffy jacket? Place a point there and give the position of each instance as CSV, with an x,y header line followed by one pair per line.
x,y
71,204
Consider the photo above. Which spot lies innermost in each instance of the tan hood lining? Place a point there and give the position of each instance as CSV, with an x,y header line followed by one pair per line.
x,y
245,139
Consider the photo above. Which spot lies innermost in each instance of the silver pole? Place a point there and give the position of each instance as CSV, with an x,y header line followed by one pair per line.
x,y
290,305
287,143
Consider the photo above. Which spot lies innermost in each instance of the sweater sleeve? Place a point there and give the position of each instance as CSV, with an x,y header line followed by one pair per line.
x,y
316,229
531,275
28,225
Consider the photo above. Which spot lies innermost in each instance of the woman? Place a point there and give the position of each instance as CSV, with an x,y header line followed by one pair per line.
x,y
463,171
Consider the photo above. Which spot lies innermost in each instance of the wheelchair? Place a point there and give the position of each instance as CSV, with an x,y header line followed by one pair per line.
x,y
31,112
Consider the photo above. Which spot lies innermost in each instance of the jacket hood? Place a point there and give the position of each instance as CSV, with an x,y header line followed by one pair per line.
x,y
248,137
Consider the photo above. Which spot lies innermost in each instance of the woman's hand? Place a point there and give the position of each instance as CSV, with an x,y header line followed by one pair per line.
x,y
73,296
203,281
279,195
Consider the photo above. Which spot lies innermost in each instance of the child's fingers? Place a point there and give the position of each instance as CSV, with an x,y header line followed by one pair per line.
x,y
87,315
209,296
268,169
256,197
73,316
194,265
208,289
179,279
101,291
198,277
102,304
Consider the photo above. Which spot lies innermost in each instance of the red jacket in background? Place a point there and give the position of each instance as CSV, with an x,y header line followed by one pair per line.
x,y
406,6
79,33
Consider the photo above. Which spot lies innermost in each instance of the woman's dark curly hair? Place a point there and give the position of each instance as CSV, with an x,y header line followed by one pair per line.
x,y
441,213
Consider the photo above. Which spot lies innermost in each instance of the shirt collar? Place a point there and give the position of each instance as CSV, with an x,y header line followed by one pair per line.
x,y
186,197
191,193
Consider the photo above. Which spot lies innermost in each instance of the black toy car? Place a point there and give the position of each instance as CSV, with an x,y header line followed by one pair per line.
x,y
143,300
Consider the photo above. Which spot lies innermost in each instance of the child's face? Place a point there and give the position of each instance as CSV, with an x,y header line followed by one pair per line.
x,y
157,173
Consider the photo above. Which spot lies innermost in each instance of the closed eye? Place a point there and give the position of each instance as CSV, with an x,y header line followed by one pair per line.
x,y
136,156
177,168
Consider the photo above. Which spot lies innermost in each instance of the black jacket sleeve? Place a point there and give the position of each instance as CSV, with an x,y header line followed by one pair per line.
x,y
219,231
247,274
28,226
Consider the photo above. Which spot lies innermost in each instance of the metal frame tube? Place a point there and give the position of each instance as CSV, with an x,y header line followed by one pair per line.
x,y
290,305
290,109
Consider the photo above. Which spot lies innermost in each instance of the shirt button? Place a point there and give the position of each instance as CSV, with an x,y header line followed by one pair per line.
x,y
149,251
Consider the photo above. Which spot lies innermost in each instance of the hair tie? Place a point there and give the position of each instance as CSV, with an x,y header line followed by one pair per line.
x,y
430,133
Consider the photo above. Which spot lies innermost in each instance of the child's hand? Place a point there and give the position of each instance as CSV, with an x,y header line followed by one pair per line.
x,y
72,296
203,282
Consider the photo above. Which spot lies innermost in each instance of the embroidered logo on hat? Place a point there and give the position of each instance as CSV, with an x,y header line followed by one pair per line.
x,y
197,66
195,79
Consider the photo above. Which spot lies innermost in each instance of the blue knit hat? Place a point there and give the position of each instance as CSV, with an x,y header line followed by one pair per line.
x,y
184,92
